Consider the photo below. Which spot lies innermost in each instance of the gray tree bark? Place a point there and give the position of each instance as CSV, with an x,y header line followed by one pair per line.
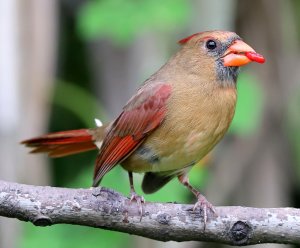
x,y
107,209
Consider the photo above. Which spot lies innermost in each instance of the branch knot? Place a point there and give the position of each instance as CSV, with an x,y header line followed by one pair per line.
x,y
42,220
240,232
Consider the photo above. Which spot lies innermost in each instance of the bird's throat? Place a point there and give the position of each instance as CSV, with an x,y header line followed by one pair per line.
x,y
227,75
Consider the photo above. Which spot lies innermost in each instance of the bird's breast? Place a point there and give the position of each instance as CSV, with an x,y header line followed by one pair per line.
x,y
194,124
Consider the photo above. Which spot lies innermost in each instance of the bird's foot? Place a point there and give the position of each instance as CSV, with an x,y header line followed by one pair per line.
x,y
204,206
139,200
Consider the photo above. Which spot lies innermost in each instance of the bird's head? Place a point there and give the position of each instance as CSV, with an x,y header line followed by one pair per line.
x,y
218,53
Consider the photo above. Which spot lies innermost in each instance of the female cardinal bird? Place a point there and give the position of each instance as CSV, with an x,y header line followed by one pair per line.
x,y
176,117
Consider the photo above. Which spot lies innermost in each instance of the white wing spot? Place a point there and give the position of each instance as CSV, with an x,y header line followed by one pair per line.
x,y
98,144
98,123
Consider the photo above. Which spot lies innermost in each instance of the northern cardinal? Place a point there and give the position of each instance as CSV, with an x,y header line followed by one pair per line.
x,y
175,118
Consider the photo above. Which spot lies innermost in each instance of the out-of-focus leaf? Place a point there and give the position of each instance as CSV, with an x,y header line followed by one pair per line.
x,y
249,105
199,175
171,192
122,20
68,236
293,128
79,101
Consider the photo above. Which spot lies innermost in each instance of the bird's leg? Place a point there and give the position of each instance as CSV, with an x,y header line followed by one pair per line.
x,y
135,197
202,203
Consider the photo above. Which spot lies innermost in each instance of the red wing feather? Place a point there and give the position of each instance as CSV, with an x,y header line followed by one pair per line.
x,y
142,114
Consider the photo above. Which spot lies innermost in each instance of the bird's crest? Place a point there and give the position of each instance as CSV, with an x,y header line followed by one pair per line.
x,y
186,39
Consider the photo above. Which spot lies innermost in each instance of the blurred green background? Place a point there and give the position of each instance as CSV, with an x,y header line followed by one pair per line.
x,y
64,63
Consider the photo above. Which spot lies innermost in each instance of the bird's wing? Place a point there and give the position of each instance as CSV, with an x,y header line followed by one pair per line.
x,y
142,114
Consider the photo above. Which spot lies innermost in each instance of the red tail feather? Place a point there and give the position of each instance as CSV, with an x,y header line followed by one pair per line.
x,y
62,143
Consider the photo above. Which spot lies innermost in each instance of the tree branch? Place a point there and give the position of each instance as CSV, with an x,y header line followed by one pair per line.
x,y
107,209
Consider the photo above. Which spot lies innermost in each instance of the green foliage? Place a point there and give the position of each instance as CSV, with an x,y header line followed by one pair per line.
x,y
296,9
292,128
78,101
249,106
199,175
122,20
68,236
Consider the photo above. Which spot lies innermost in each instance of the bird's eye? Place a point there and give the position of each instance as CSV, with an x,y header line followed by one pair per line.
x,y
211,44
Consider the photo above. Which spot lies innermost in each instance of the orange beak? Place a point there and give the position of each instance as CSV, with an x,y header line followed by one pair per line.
x,y
239,54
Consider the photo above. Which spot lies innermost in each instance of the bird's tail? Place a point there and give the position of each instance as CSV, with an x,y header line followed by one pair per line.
x,y
65,143
153,181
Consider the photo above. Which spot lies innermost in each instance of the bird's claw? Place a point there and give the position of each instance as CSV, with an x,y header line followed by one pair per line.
x,y
139,200
204,205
